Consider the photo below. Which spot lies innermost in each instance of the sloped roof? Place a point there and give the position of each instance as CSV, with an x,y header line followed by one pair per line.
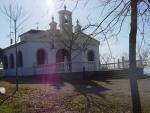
x,y
11,46
32,31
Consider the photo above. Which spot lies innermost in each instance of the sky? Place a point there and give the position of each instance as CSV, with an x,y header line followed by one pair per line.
x,y
41,11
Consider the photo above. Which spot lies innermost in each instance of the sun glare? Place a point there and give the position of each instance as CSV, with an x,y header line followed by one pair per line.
x,y
50,2
51,6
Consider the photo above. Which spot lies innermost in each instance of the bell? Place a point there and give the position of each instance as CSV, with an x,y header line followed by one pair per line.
x,y
66,21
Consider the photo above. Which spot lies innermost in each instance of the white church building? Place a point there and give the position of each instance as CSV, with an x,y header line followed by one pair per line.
x,y
56,50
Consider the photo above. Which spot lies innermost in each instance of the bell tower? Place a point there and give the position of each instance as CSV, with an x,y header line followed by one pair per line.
x,y
77,27
65,18
53,25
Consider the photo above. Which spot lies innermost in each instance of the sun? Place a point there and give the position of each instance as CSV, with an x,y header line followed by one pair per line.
x,y
50,6
50,2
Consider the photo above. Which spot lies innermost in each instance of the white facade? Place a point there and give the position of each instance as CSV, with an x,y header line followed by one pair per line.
x,y
53,51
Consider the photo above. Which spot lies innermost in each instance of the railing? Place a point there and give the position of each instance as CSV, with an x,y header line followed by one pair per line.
x,y
64,67
120,65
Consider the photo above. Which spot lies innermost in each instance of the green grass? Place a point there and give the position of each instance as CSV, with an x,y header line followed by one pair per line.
x,y
85,97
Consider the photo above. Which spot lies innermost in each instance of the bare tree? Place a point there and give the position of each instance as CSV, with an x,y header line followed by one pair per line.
x,y
116,12
75,42
144,55
14,13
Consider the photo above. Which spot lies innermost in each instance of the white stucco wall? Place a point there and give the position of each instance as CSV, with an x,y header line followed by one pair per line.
x,y
29,52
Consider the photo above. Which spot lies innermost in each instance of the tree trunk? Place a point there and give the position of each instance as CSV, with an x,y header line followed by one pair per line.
x,y
16,66
70,59
132,59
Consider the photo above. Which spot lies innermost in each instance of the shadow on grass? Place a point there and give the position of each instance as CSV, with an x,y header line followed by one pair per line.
x,y
56,80
80,85
87,86
89,89
83,87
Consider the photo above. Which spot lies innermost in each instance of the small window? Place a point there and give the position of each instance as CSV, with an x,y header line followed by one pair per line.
x,y
41,56
90,55
11,61
5,62
20,59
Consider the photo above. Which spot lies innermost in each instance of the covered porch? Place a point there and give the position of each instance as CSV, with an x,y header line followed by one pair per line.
x,y
65,67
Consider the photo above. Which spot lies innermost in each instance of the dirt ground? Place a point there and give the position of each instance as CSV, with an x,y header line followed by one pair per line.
x,y
109,96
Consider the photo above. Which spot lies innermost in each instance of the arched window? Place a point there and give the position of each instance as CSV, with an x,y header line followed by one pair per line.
x,y
41,56
11,61
5,62
61,54
20,59
90,56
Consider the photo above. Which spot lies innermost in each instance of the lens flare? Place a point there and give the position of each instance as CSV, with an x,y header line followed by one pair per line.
x,y
2,90
51,7
50,2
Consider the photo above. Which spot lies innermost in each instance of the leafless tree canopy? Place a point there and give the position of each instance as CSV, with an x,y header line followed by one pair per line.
x,y
113,16
14,13
115,13
16,18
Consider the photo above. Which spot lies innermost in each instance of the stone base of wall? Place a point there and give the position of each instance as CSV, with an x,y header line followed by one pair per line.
x,y
111,74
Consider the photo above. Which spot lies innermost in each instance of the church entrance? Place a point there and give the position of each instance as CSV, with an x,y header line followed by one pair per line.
x,y
63,58
63,55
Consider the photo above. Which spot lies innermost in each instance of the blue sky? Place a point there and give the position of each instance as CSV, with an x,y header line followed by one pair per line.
x,y
41,11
